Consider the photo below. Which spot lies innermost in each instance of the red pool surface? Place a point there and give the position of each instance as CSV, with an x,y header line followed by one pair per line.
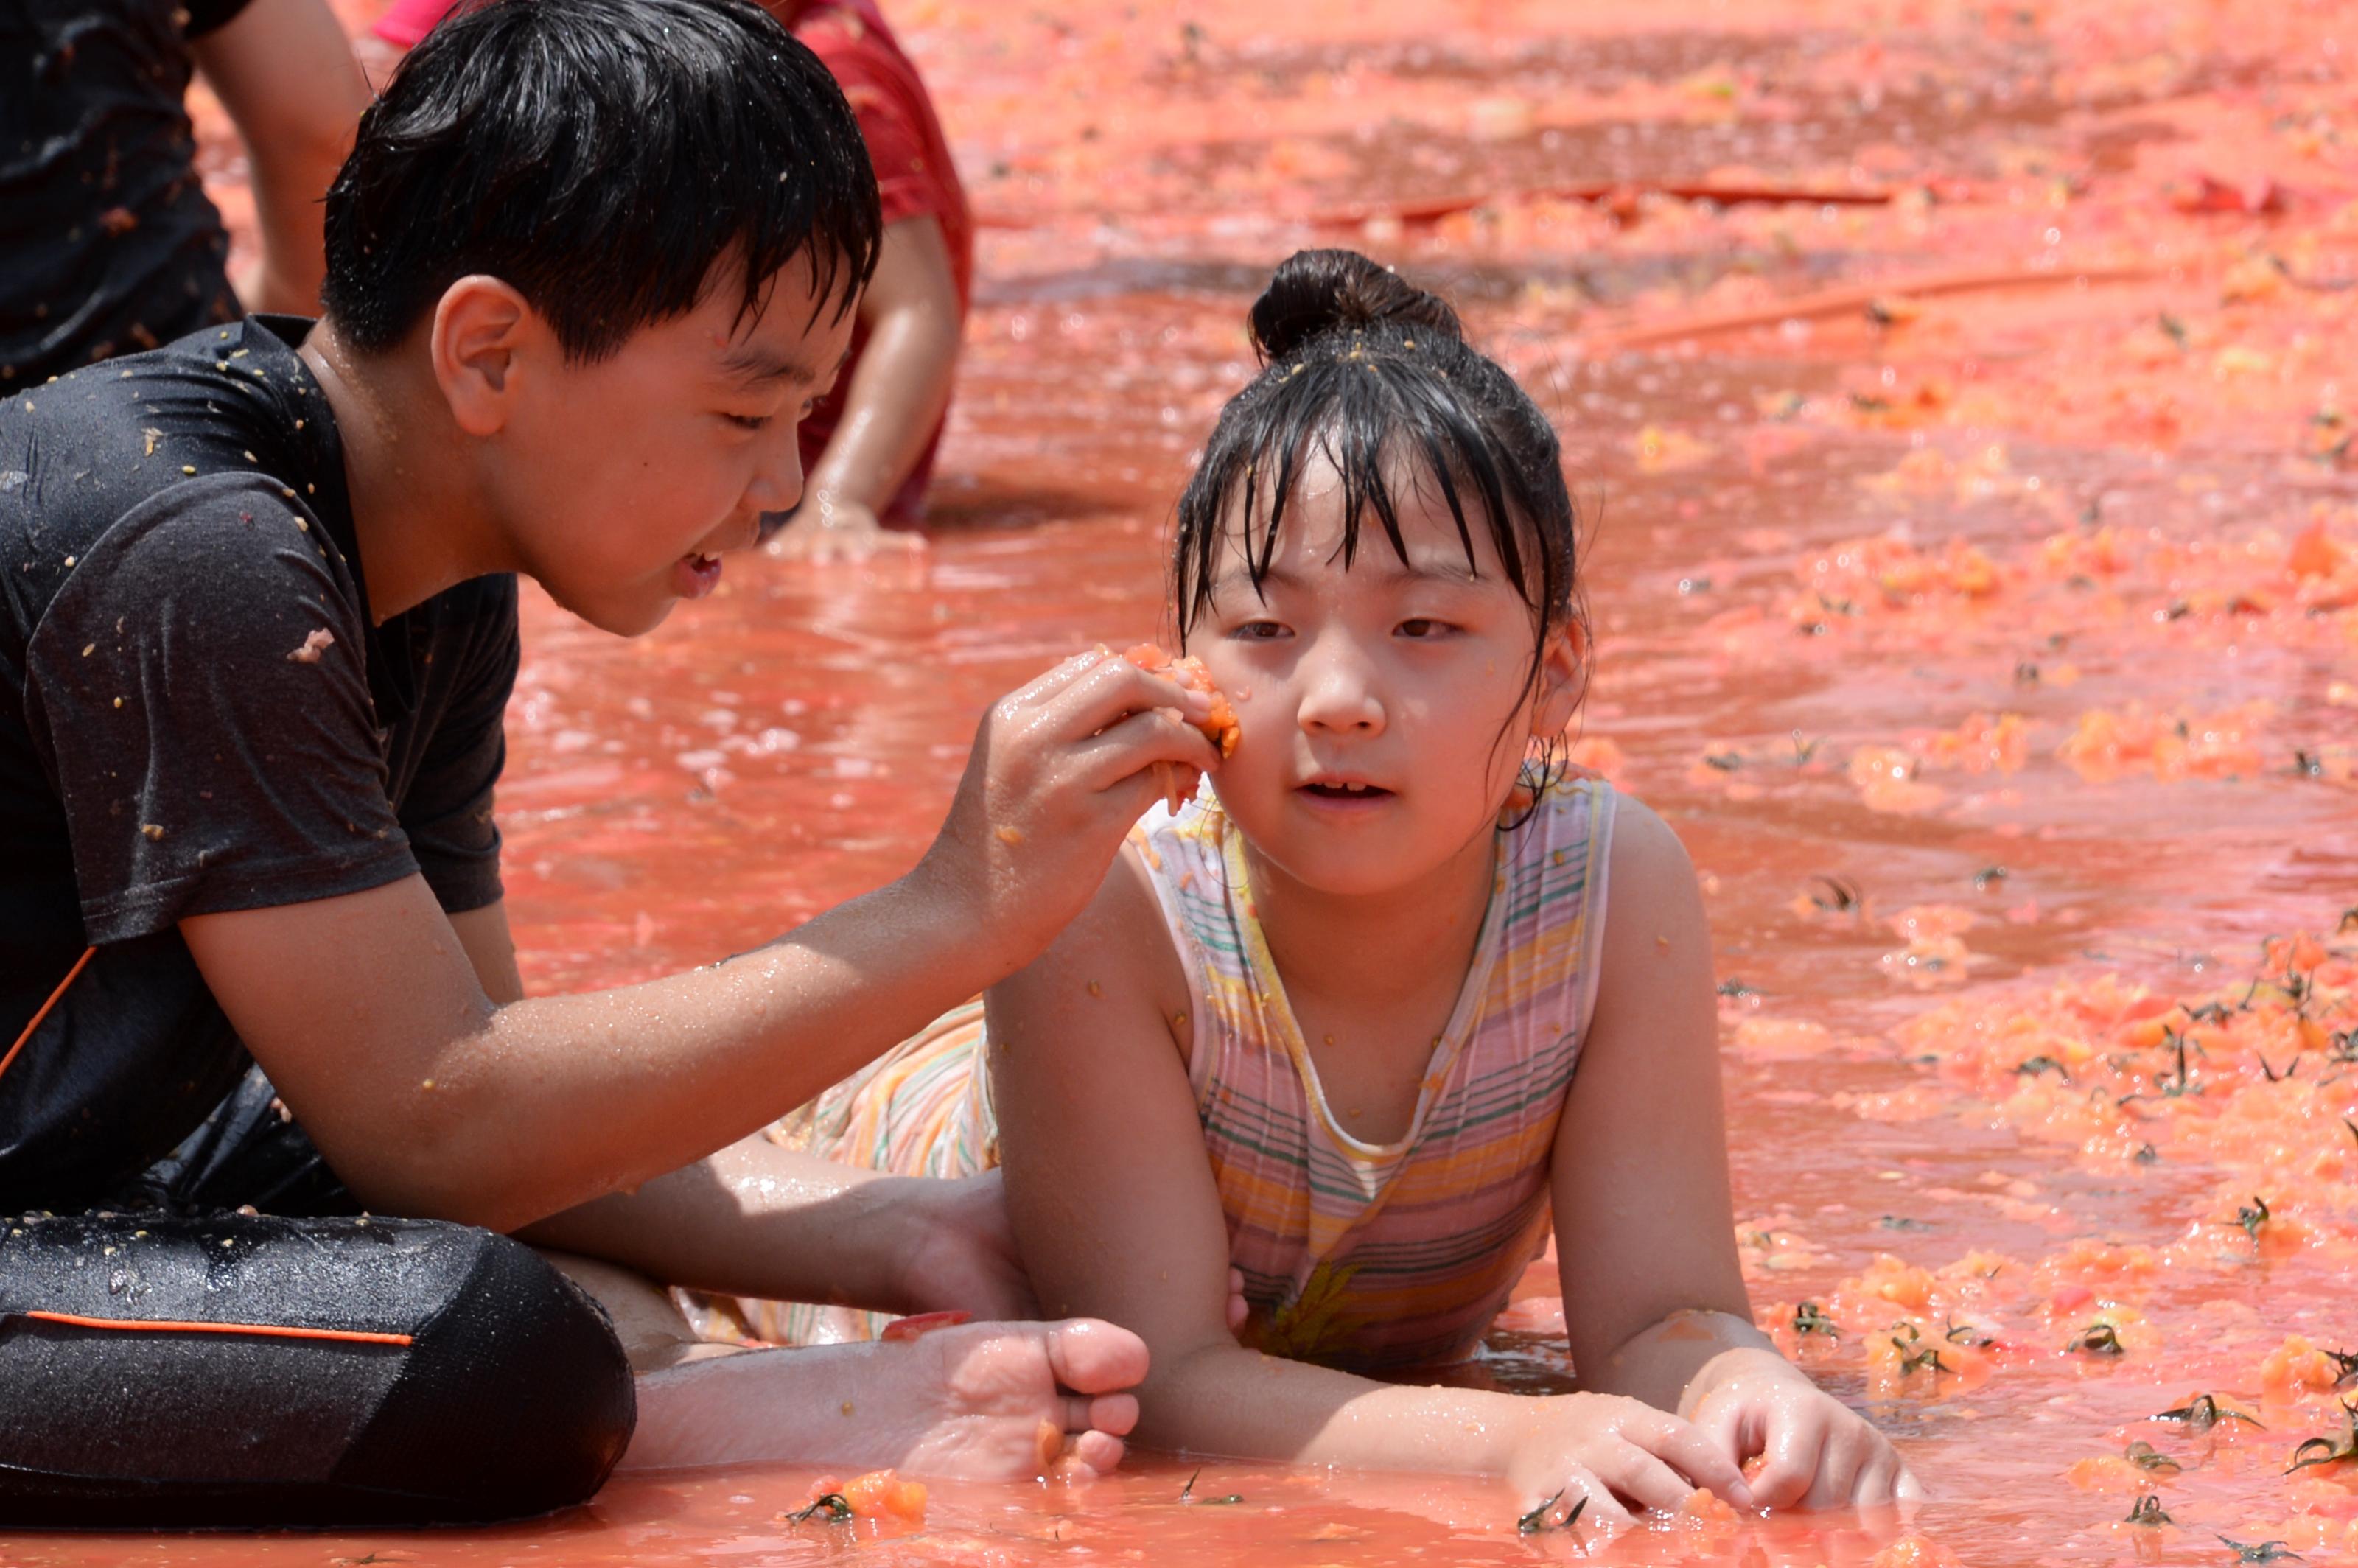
x,y
1975,562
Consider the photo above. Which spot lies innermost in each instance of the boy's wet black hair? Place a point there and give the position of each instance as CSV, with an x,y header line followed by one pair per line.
x,y
1375,374
599,155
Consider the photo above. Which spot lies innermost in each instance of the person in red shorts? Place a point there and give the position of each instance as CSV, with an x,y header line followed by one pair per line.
x,y
868,448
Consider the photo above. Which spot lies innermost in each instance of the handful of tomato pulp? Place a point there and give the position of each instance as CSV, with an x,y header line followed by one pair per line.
x,y
1220,726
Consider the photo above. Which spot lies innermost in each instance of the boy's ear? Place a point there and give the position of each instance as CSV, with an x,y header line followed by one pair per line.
x,y
1563,661
480,326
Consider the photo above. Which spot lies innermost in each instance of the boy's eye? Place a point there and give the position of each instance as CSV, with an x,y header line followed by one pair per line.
x,y
1423,627
748,421
1258,631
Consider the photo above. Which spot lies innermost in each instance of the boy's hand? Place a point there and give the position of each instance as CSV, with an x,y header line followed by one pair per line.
x,y
1816,1452
1060,771
963,1257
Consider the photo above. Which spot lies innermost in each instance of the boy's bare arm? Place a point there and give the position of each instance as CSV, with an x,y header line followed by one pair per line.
x,y
897,390
431,1100
286,73
491,951
755,1220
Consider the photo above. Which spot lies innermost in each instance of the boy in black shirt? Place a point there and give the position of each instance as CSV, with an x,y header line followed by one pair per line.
x,y
256,635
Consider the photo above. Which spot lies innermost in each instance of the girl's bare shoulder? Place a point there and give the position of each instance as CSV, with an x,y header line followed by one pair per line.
x,y
1654,903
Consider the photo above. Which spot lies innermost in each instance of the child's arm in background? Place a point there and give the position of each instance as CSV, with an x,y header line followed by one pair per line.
x,y
897,392
286,73
1116,1212
1653,1295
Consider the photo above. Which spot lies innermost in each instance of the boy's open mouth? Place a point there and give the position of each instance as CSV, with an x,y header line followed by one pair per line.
x,y
695,574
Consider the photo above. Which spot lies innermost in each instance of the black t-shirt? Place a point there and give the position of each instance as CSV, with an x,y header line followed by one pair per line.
x,y
108,244
197,716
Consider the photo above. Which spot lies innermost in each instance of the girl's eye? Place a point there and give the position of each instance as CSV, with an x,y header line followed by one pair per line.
x,y
1424,628
1258,631
748,421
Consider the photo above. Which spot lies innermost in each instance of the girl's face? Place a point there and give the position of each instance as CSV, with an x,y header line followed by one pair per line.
x,y
1384,706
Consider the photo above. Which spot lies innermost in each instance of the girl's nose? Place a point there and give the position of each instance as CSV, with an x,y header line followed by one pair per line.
x,y
1339,694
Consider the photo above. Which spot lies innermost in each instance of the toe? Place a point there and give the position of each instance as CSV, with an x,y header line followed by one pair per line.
x,y
1114,1413
1099,1452
1093,1357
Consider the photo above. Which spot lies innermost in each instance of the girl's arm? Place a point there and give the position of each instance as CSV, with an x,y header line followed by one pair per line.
x,y
1653,1296
1115,1210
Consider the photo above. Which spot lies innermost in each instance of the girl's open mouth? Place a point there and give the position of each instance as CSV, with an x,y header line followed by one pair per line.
x,y
1343,792
696,575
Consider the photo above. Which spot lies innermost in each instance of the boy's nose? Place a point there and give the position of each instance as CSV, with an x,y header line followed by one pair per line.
x,y
776,487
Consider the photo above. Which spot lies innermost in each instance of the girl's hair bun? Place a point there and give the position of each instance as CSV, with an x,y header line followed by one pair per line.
x,y
1318,292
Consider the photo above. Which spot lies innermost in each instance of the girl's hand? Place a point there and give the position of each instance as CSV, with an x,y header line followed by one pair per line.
x,y
1615,1452
1816,1452
1059,772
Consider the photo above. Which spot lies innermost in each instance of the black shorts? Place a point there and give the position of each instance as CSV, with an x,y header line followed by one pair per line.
x,y
187,1365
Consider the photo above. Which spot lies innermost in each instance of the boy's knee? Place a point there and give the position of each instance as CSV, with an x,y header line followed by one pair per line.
x,y
366,1372
516,1399
654,1331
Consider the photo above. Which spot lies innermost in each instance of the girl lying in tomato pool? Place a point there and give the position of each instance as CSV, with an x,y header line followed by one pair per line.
x,y
1359,1023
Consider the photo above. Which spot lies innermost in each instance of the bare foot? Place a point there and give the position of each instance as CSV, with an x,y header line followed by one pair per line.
x,y
985,1402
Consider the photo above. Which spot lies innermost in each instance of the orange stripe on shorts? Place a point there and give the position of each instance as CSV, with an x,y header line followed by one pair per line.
x,y
265,1330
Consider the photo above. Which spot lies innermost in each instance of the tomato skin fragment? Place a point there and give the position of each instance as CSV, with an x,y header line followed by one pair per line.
x,y
917,1324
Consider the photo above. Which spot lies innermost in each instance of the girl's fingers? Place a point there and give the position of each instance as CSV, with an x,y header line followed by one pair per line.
x,y
1594,1499
1706,1458
1792,1451
1645,1480
1844,1455
1875,1479
1239,1308
1722,1420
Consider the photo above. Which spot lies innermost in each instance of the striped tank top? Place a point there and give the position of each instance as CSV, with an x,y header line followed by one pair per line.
x,y
1366,1257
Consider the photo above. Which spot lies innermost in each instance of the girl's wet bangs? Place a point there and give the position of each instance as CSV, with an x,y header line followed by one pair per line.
x,y
1397,425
